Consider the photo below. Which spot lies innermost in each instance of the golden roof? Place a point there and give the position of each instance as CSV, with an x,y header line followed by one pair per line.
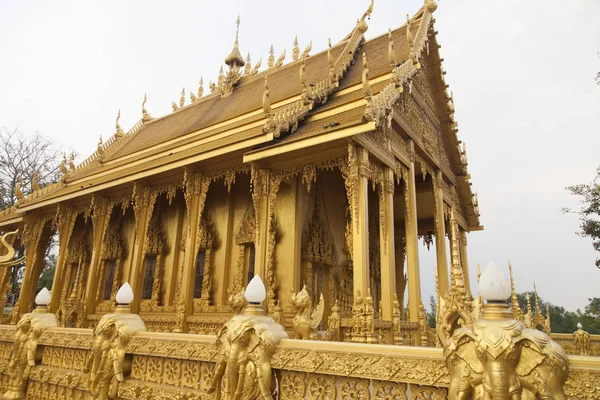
x,y
236,125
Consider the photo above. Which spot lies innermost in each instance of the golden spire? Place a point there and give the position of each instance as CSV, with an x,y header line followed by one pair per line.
x,y
307,50
193,97
182,98
248,68
18,192
35,185
514,301
201,87
174,106
118,131
279,62
145,114
221,77
367,92
271,61
235,59
296,51
528,304
257,67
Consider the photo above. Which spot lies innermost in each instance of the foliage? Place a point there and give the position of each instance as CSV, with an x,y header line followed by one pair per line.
x,y
589,215
431,315
21,156
47,275
563,321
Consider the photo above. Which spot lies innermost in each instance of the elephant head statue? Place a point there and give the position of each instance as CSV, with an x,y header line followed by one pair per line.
x,y
499,358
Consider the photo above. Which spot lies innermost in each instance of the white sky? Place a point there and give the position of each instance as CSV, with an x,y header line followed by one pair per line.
x,y
521,71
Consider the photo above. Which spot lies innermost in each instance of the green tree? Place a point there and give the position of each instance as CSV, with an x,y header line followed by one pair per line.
x,y
563,321
589,214
22,156
47,275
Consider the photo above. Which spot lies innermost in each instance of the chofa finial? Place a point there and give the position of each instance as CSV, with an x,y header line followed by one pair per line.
x,y
296,51
118,131
145,115
271,60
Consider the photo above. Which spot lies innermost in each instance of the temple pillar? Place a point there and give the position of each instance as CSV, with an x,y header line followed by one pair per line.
x,y
440,233
95,281
360,229
35,248
412,245
265,186
464,259
195,191
143,205
260,199
387,250
400,250
65,223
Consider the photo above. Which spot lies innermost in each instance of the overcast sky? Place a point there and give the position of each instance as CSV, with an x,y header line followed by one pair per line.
x,y
521,71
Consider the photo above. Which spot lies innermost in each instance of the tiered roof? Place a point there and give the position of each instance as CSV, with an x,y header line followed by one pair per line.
x,y
312,100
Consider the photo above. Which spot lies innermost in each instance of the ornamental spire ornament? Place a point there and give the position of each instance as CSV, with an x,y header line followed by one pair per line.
x,y
514,302
248,66
235,60
182,98
18,192
271,61
201,87
296,51
145,114
118,130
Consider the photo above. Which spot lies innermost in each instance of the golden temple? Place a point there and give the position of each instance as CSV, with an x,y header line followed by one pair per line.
x,y
319,175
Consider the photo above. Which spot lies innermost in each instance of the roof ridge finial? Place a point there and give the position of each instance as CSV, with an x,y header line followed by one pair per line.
x,y
305,98
307,50
118,131
362,25
235,60
271,61
296,51
182,98
248,67
257,67
145,114
201,87
431,5
516,309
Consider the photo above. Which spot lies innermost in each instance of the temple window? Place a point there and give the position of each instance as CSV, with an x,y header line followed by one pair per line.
x,y
199,275
109,278
149,276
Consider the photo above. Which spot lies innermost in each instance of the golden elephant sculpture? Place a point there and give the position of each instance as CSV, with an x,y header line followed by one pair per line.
x,y
501,359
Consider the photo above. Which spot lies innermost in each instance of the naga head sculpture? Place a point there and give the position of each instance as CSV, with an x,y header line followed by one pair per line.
x,y
498,357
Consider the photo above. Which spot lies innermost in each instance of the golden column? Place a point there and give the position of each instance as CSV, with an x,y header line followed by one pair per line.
x,y
195,191
95,278
412,244
65,223
464,261
360,222
387,250
260,198
440,233
143,205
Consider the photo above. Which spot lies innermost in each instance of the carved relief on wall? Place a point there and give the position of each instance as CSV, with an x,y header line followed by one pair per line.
x,y
111,265
206,240
153,265
71,312
244,239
